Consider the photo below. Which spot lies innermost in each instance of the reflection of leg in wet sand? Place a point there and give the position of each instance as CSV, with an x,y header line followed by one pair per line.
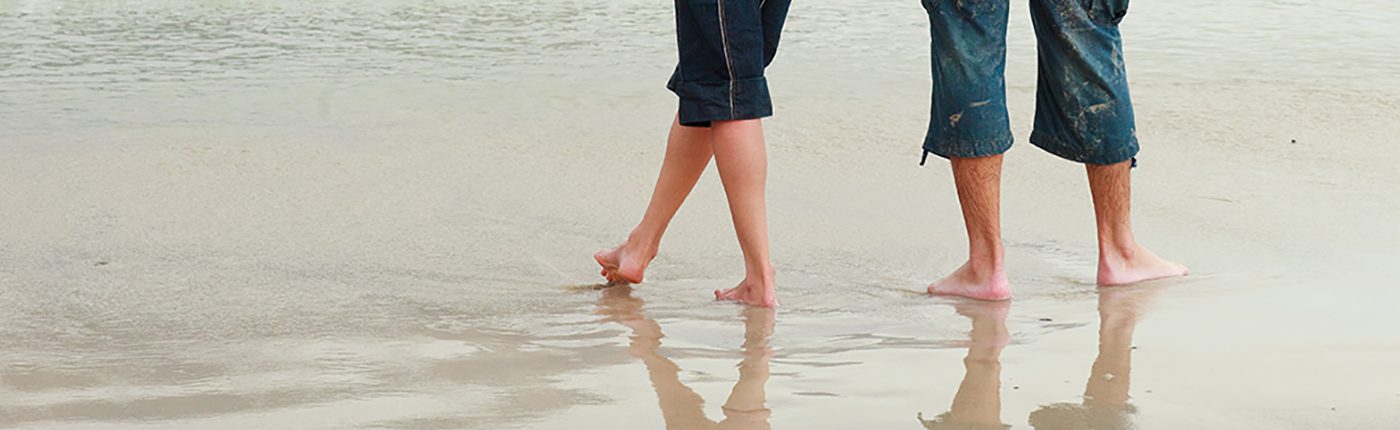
x,y
681,407
977,405
1105,405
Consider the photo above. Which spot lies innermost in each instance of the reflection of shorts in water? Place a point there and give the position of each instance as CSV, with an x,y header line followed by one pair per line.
x,y
944,421
724,47
1069,416
1083,112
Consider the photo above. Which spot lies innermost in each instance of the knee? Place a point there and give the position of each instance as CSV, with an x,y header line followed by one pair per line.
x,y
735,124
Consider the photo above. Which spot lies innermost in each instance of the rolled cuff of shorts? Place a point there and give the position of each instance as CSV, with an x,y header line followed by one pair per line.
x,y
1111,151
703,102
967,148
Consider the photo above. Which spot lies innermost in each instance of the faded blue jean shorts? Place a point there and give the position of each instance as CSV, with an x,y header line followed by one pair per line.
x,y
1082,113
724,46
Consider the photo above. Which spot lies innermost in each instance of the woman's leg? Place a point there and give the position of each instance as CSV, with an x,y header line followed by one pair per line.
x,y
687,153
743,167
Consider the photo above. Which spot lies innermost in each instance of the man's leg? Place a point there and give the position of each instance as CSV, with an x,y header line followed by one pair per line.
x,y
970,126
742,161
1121,259
1085,114
983,276
687,153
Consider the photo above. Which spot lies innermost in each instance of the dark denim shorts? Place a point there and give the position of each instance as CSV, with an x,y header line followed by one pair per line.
x,y
1082,113
724,47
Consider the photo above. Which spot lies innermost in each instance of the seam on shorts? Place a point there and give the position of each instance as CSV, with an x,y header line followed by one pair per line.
x,y
729,63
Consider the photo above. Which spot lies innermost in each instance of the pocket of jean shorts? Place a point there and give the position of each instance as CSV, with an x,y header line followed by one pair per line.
x,y
1113,11
1109,12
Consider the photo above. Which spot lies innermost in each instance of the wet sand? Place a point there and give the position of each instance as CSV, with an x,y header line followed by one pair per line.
x,y
382,248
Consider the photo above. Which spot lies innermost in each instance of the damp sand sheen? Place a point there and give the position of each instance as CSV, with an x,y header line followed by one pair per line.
x,y
366,214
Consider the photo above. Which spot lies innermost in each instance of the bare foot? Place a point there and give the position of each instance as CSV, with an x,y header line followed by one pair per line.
x,y
966,282
1122,267
625,263
753,291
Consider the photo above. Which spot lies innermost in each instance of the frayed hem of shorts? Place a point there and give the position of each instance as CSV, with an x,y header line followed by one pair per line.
x,y
1126,151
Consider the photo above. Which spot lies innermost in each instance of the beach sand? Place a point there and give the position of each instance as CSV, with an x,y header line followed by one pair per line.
x,y
402,250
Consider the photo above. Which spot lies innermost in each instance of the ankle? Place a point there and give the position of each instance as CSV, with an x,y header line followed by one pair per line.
x,y
986,256
645,246
983,273
763,274
986,265
1112,251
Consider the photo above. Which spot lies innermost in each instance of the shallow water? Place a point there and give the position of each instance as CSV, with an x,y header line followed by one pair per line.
x,y
66,64
380,215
